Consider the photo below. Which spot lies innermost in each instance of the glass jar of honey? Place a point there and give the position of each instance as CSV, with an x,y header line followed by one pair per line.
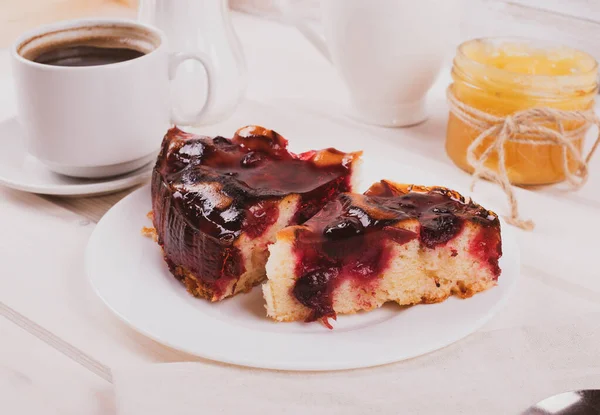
x,y
502,76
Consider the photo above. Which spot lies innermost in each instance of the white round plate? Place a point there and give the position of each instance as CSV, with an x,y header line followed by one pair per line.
x,y
21,171
127,271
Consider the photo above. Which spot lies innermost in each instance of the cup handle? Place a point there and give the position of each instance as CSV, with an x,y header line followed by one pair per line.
x,y
316,39
194,118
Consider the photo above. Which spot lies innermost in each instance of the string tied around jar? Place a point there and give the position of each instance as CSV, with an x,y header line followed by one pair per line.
x,y
533,123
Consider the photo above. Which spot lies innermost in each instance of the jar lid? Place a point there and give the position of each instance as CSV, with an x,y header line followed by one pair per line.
x,y
534,67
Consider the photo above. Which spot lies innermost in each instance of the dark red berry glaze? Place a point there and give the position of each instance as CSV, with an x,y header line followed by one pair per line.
x,y
348,239
207,191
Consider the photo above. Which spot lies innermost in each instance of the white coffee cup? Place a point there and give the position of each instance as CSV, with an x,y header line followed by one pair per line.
x,y
388,52
102,120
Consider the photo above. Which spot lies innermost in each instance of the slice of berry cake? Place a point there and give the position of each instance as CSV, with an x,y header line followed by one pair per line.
x,y
403,243
217,203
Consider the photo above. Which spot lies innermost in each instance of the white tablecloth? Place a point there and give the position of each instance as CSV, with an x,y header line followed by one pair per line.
x,y
499,372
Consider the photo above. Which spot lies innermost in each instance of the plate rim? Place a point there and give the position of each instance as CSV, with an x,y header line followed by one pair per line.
x,y
87,189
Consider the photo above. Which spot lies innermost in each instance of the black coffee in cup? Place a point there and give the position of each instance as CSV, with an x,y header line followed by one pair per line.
x,y
86,55
88,46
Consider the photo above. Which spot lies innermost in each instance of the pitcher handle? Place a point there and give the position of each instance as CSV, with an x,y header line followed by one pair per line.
x,y
194,118
291,16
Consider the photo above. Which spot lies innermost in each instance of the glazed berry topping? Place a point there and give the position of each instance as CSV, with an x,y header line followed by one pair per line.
x,y
221,141
350,237
254,138
437,230
220,179
344,227
252,159
313,290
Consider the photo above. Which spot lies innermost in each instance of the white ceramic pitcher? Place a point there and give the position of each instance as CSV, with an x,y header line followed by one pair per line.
x,y
388,52
201,26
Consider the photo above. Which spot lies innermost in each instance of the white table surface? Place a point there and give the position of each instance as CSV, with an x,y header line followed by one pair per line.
x,y
52,315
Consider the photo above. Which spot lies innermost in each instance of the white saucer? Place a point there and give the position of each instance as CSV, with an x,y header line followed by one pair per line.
x,y
128,273
21,171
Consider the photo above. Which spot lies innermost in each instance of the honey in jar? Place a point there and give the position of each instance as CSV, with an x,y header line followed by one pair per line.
x,y
501,76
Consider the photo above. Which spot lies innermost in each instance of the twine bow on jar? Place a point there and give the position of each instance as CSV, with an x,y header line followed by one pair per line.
x,y
533,123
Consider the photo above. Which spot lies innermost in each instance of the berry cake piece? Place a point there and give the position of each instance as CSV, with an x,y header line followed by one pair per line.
x,y
217,203
404,243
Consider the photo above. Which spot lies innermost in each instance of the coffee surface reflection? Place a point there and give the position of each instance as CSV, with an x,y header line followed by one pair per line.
x,y
86,56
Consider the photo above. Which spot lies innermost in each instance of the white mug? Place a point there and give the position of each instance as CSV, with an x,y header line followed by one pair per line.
x,y
388,52
101,120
